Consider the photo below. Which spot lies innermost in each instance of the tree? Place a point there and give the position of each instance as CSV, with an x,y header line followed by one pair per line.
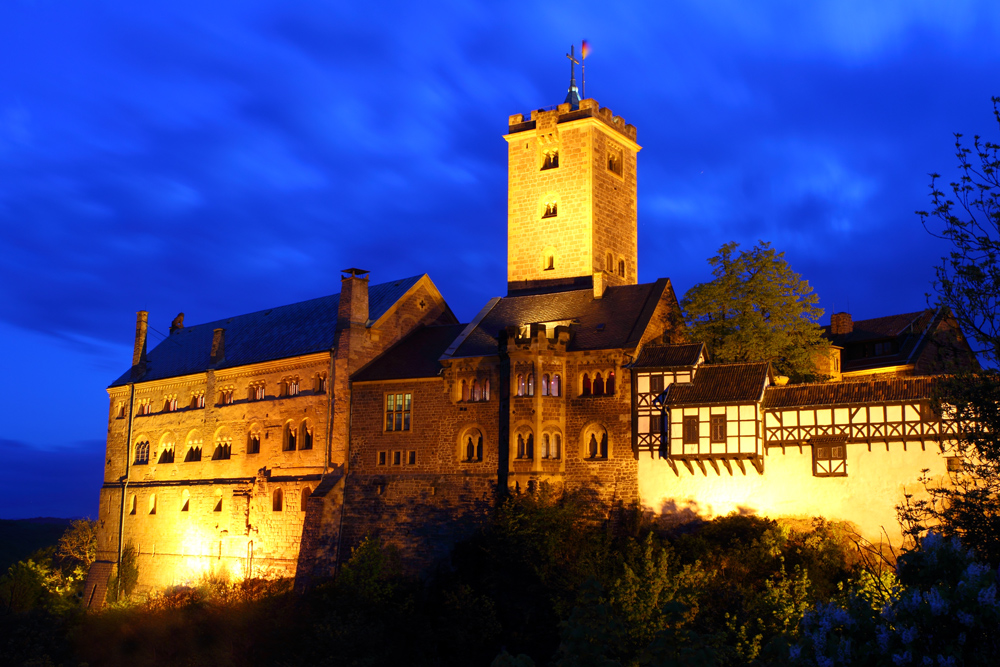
x,y
757,309
968,279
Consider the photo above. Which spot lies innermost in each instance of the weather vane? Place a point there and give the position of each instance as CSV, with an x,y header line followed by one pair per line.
x,y
574,96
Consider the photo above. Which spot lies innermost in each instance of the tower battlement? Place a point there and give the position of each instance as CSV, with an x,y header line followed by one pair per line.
x,y
589,108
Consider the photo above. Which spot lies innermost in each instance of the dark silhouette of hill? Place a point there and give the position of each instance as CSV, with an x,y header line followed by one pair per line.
x,y
19,538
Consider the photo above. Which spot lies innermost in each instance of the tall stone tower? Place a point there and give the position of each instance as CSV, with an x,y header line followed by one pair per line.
x,y
571,199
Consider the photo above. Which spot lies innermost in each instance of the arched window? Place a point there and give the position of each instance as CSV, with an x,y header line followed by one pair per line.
x,y
486,389
545,384
223,448
193,454
142,453
185,500
306,492
289,438
152,503
531,384
472,446
596,442
554,387
166,448
520,446
520,384
586,385
598,387
530,447
253,440
277,500
305,436
465,390
477,391
545,445
549,262
621,268
609,386
609,266
557,448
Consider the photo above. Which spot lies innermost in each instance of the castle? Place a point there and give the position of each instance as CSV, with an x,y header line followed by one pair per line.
x,y
269,444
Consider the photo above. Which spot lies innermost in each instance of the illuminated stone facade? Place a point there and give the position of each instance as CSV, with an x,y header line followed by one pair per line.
x,y
271,444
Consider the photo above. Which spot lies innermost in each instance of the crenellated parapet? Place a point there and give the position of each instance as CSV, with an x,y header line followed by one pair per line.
x,y
543,119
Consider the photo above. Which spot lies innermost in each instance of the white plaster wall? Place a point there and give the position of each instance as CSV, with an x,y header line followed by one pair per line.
x,y
867,497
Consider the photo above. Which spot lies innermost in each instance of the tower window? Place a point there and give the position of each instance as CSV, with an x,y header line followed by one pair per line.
x,y
621,268
549,262
550,159
551,209
142,453
609,266
615,161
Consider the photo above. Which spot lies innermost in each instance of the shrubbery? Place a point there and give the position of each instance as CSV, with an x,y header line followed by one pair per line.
x,y
553,581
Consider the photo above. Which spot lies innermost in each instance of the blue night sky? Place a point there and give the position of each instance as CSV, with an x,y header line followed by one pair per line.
x,y
220,158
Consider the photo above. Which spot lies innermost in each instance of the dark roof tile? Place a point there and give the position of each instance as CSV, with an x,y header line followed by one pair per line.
x,y
275,333
721,383
624,311
415,356
848,393
668,356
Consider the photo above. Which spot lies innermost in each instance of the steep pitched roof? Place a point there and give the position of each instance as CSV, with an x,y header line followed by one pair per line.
x,y
617,320
415,356
721,383
669,356
847,393
911,333
276,333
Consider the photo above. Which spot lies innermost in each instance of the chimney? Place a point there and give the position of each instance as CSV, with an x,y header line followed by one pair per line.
x,y
353,307
218,346
178,323
841,323
139,351
599,284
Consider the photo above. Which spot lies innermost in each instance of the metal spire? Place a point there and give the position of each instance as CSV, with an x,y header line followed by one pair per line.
x,y
573,96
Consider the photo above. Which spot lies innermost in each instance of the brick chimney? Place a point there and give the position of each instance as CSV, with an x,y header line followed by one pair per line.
x,y
353,307
218,346
139,351
841,323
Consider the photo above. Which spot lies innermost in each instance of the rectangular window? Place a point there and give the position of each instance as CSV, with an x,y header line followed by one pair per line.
x,y
830,460
656,424
656,384
717,425
691,430
397,458
411,458
382,458
615,160
397,412
954,464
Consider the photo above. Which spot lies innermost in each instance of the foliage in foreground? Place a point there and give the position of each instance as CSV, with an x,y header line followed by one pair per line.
x,y
757,309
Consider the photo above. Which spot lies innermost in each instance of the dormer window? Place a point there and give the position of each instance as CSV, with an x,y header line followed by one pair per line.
x,y
550,159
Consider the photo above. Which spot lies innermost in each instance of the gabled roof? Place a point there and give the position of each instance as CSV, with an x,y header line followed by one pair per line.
x,y
848,393
276,333
669,356
721,383
911,333
415,356
615,321
880,328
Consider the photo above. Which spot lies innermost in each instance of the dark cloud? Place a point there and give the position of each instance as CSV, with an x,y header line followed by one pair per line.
x,y
221,159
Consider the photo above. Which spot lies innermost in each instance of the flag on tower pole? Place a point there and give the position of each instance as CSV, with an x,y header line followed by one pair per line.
x,y
584,50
